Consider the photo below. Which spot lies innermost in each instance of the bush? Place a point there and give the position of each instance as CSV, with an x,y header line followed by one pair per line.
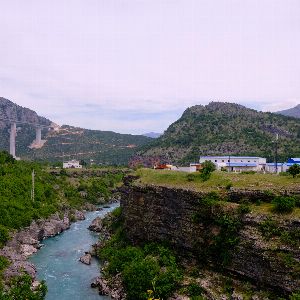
x,y
248,172
152,268
20,288
190,177
294,170
207,168
4,235
295,296
228,186
244,208
269,228
283,204
194,289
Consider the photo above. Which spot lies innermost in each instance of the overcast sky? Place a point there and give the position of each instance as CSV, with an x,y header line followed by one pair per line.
x,y
133,66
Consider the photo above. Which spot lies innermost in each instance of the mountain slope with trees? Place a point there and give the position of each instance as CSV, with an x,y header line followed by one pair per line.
x,y
226,129
65,142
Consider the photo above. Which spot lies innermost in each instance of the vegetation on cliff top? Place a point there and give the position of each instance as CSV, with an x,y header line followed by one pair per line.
x,y
218,180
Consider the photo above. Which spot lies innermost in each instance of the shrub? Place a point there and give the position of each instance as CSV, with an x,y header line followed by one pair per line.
x,y
3,263
190,177
283,204
228,186
20,288
152,268
4,235
194,289
269,228
207,168
295,296
294,170
244,208
248,172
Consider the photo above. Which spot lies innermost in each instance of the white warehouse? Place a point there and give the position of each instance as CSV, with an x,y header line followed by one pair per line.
x,y
237,163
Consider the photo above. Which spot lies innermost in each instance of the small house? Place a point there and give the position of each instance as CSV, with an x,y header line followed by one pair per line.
x,y
72,164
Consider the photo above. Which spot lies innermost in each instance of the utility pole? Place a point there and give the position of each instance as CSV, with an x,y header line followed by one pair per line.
x,y
32,188
276,153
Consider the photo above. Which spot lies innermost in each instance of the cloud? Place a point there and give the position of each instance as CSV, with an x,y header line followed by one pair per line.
x,y
132,64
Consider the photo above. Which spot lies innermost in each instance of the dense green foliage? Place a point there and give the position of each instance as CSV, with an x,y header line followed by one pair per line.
x,y
284,204
226,129
20,289
53,192
152,267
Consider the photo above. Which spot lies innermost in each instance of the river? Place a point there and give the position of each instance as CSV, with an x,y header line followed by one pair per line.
x,y
57,262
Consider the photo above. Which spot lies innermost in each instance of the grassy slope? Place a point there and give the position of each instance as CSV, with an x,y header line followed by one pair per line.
x,y
218,180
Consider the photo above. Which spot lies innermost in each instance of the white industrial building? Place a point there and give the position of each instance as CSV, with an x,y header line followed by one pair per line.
x,y
237,163
282,167
72,164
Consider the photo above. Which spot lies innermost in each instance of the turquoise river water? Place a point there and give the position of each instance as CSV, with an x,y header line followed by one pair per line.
x,y
57,262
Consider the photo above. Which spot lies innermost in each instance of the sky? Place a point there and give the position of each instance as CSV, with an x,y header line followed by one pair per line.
x,y
134,66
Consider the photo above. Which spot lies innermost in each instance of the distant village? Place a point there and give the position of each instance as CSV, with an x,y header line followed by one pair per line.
x,y
235,164
228,163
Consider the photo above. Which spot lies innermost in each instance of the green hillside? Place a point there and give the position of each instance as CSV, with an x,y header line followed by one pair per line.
x,y
103,147
226,129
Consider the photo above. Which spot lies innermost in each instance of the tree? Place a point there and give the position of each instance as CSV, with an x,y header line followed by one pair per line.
x,y
207,168
294,170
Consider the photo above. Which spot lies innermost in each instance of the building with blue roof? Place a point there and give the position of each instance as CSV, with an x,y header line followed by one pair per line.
x,y
236,163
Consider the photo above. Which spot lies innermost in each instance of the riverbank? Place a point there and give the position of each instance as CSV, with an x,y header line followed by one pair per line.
x,y
57,262
26,241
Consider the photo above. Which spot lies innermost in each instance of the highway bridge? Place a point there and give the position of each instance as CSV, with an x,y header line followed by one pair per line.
x,y
13,133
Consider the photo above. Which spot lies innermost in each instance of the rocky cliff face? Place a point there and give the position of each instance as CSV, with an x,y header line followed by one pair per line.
x,y
12,111
190,224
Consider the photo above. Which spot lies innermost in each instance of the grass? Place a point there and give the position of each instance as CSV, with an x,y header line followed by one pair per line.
x,y
218,180
267,209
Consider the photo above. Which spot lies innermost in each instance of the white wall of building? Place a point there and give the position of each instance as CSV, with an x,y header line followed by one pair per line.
x,y
237,163
72,164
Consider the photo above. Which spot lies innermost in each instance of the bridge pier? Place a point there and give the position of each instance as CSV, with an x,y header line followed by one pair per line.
x,y
38,135
12,140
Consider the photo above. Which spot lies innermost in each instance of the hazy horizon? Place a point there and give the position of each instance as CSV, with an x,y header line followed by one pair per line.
x,y
134,66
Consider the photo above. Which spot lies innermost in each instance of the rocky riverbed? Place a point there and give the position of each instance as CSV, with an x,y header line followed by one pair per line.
x,y
27,241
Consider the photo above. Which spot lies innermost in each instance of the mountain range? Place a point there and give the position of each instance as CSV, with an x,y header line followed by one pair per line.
x,y
215,129
291,112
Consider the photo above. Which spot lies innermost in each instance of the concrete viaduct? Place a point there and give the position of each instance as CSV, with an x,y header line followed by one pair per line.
x,y
13,133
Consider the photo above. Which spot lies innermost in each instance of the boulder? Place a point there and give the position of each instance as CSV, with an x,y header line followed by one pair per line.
x,y
86,258
27,250
96,225
79,215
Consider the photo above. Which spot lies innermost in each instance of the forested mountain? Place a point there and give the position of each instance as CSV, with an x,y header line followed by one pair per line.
x,y
226,129
292,112
104,147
